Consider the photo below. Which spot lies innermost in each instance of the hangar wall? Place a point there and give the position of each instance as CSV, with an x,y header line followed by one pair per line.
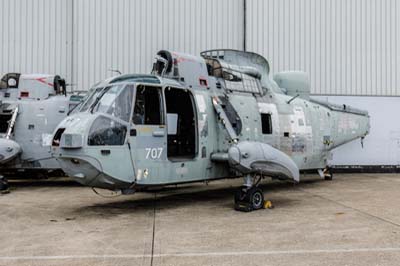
x,y
35,36
126,35
349,47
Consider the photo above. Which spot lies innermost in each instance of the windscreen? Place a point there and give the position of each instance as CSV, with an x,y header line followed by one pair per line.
x,y
116,100
92,94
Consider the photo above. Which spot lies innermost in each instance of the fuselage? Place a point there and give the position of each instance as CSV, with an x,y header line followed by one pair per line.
x,y
166,131
31,106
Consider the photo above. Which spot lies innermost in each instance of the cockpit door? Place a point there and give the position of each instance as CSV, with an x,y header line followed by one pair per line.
x,y
148,135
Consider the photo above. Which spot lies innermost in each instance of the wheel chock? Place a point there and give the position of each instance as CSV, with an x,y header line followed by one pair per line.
x,y
268,204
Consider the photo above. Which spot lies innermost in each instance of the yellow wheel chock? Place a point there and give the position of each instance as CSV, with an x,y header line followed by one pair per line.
x,y
268,204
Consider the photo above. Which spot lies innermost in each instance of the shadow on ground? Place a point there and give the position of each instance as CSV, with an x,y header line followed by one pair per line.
x,y
183,196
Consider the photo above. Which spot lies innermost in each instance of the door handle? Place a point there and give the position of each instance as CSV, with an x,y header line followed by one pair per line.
x,y
158,133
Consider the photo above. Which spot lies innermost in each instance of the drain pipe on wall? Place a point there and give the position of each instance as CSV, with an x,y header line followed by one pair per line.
x,y
244,24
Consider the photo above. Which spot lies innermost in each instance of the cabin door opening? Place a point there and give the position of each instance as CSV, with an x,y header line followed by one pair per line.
x,y
181,123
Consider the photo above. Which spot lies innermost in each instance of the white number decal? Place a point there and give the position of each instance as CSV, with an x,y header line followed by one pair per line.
x,y
153,153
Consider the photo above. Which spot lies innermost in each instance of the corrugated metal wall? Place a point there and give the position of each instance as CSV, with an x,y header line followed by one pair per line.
x,y
349,47
35,36
126,35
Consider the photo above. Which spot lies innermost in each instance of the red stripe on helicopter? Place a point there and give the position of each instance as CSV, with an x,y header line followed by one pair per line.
x,y
43,80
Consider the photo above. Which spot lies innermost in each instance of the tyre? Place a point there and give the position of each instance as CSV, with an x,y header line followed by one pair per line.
x,y
3,186
256,198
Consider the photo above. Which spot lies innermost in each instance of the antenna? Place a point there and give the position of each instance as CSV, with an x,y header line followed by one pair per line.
x,y
115,71
288,102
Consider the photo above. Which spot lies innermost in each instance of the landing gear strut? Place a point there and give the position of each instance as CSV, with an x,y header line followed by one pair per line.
x,y
326,174
3,185
249,197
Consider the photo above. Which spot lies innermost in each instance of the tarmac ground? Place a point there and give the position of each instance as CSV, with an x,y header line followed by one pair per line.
x,y
352,220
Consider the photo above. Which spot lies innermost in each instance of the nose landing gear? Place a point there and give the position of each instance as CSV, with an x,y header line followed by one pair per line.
x,y
250,197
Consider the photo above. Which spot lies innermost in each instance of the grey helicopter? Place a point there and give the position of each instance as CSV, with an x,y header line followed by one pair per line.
x,y
201,118
31,106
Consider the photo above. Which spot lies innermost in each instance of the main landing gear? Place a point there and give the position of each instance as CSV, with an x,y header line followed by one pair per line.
x,y
250,197
326,173
3,185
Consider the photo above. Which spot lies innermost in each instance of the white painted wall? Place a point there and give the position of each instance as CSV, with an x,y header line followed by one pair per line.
x,y
382,145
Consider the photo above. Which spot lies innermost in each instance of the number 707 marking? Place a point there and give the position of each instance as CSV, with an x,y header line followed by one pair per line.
x,y
153,153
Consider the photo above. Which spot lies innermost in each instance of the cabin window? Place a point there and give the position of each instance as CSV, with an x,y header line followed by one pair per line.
x,y
266,123
148,106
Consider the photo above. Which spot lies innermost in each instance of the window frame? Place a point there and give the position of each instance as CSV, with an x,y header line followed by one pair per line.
x,y
161,104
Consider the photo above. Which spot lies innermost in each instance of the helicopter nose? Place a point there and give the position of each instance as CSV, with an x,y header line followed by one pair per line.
x,y
80,170
9,149
94,172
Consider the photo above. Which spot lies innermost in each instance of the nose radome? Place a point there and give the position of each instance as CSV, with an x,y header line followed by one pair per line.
x,y
80,170
9,149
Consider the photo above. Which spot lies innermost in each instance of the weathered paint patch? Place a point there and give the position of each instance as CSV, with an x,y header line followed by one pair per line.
x,y
201,103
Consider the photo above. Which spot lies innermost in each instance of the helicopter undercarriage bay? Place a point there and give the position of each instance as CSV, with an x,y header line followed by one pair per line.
x,y
198,118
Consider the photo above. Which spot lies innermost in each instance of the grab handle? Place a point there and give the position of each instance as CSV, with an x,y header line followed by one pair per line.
x,y
158,133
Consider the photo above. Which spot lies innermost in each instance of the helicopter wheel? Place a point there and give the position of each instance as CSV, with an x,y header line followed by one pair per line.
x,y
249,199
328,174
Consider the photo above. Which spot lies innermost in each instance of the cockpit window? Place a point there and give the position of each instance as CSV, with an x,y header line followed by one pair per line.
x,y
92,94
116,100
107,99
148,106
106,132
122,105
